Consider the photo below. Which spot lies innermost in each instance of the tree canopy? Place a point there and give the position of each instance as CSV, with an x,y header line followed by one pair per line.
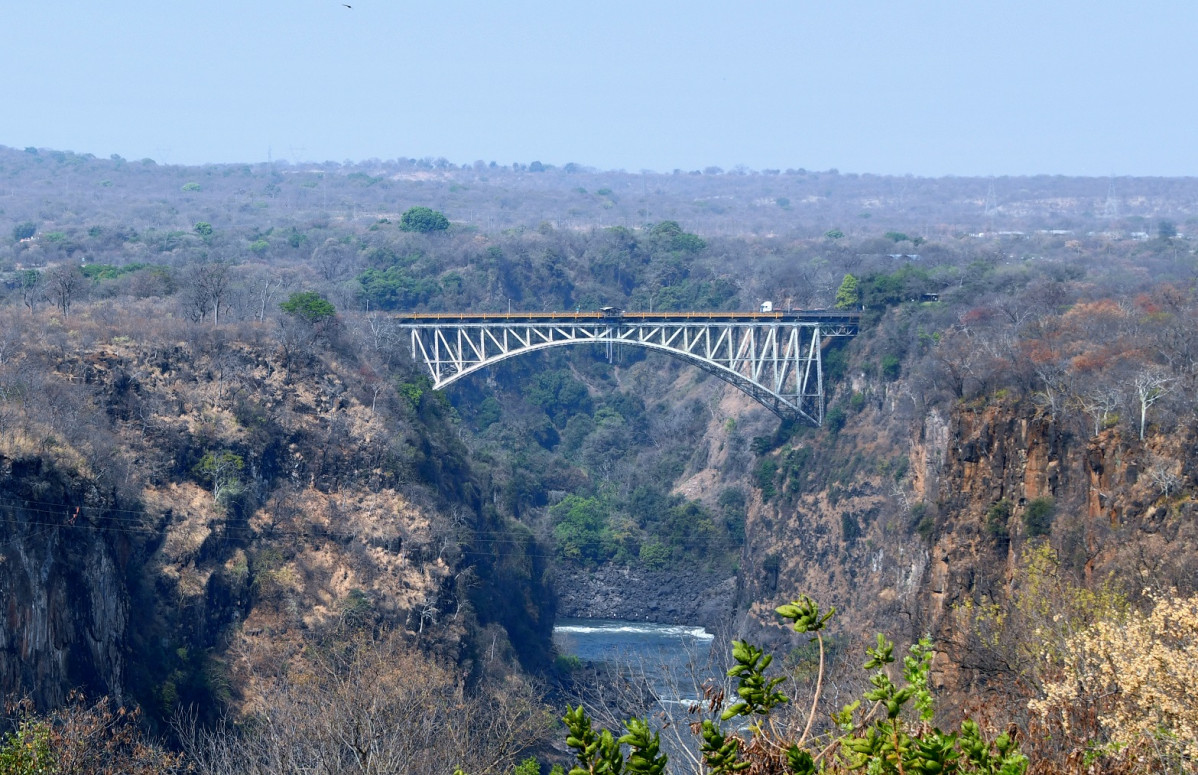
x,y
310,306
24,230
423,219
848,295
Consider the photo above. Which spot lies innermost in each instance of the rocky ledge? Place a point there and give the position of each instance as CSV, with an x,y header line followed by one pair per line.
x,y
665,597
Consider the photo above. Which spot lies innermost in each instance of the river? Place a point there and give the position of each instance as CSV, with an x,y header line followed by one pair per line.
x,y
671,661
674,659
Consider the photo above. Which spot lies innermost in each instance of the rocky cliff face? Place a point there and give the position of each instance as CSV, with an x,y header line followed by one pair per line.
x,y
346,511
246,500
1120,507
898,519
637,594
63,580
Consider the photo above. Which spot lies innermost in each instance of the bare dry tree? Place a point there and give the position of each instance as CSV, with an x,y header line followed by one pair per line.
x,y
373,705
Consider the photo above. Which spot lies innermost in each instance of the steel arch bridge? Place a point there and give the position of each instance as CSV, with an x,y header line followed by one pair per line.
x,y
775,357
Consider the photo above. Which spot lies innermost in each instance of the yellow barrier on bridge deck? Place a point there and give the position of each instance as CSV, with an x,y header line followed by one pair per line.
x,y
809,314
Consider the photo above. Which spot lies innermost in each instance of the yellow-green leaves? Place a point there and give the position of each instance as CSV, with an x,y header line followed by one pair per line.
x,y
599,753
645,756
805,614
757,693
721,753
882,655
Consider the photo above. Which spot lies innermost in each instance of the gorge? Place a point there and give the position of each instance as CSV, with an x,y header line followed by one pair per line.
x,y
221,471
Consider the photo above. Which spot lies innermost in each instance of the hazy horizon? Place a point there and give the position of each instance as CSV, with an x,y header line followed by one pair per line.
x,y
866,87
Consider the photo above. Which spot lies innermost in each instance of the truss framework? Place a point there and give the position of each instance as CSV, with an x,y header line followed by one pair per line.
x,y
779,363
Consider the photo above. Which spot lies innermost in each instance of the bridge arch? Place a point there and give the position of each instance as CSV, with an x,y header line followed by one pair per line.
x,y
774,357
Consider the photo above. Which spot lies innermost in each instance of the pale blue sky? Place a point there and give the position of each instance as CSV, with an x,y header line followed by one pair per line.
x,y
964,87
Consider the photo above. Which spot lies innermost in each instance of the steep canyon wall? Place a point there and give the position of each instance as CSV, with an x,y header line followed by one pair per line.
x,y
899,520
63,573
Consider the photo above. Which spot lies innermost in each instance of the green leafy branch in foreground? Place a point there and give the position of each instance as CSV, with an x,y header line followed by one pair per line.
x,y
887,732
599,753
756,691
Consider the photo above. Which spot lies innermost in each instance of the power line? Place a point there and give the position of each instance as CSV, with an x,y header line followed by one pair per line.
x,y
147,525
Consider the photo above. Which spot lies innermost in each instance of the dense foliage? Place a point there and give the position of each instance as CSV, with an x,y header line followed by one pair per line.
x,y
309,306
423,219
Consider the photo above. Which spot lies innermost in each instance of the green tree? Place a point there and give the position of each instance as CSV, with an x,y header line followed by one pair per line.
x,y
997,517
396,288
580,529
1037,517
414,389
33,288
297,239
848,295
687,242
655,555
24,230
529,766
204,230
559,394
891,366
667,229
27,751
223,469
423,219
677,239
309,306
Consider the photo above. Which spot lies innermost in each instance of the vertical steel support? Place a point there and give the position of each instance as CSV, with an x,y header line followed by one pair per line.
x,y
816,345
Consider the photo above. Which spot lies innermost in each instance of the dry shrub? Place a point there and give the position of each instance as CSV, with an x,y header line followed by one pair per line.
x,y
1137,678
83,739
373,704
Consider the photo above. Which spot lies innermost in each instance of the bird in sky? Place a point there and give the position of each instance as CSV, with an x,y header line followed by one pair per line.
x,y
347,6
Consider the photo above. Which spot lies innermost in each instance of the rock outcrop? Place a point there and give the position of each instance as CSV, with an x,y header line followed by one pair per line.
x,y
898,522
63,579
621,592
168,582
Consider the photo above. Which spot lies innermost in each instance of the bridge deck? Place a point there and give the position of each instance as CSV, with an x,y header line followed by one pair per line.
x,y
834,317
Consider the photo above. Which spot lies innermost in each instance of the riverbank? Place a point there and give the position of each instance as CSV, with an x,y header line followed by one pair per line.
x,y
620,592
